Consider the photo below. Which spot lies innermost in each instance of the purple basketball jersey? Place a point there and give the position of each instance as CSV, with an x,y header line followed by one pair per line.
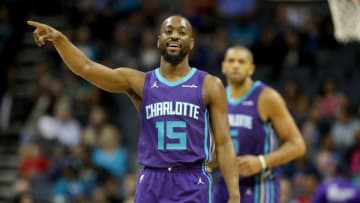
x,y
174,121
250,135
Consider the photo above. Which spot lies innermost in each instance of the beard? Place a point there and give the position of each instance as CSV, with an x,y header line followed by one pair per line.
x,y
239,81
174,58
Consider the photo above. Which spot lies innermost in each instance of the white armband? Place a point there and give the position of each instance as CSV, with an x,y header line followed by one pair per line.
x,y
262,162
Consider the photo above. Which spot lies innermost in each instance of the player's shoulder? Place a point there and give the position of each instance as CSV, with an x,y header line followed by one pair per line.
x,y
212,81
270,102
128,71
270,96
212,88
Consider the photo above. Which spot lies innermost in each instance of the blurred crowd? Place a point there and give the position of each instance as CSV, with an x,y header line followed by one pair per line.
x,y
79,144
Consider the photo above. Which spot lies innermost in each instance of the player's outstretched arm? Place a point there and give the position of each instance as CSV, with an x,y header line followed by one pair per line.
x,y
215,97
114,80
273,108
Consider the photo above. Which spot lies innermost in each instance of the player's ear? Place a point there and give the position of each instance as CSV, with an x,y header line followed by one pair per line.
x,y
252,69
223,67
192,42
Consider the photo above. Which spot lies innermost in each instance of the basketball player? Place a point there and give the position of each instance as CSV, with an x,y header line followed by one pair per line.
x,y
176,103
254,110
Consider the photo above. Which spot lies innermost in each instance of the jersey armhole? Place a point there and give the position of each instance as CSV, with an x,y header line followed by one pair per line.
x,y
258,106
200,91
145,89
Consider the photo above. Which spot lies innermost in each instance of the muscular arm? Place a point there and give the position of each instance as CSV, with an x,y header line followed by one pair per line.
x,y
225,154
124,80
272,108
115,80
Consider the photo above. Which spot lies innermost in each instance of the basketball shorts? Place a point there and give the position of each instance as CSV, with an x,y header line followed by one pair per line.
x,y
174,185
257,191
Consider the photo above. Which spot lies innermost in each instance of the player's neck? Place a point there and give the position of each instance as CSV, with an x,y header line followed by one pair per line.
x,y
239,90
173,72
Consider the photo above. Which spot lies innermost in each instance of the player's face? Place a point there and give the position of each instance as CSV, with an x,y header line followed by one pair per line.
x,y
237,66
175,39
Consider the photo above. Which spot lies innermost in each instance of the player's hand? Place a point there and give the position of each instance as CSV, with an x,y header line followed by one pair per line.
x,y
248,165
43,33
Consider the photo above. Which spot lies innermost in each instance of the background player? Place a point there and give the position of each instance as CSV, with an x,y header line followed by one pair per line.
x,y
254,109
174,101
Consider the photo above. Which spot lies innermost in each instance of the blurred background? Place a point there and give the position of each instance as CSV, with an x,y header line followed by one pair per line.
x,y
63,140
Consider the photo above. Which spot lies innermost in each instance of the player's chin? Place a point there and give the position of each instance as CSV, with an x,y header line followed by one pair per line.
x,y
172,52
236,79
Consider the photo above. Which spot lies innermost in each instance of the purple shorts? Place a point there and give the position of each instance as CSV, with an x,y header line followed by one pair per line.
x,y
174,185
256,191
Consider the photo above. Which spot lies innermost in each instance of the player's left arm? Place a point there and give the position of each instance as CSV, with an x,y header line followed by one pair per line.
x,y
272,108
215,99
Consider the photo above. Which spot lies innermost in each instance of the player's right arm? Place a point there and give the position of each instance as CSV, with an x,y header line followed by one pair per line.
x,y
125,80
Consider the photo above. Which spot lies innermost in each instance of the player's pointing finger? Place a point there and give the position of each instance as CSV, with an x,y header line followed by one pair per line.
x,y
34,24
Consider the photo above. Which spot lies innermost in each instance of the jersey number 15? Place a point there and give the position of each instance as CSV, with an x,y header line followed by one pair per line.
x,y
167,128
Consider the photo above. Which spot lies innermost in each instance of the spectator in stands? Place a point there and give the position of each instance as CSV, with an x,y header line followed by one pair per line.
x,y
149,55
233,8
97,119
291,93
305,184
326,157
62,127
296,55
109,154
129,186
69,187
344,128
23,198
311,130
83,36
122,47
99,196
353,158
329,99
87,171
33,161
286,190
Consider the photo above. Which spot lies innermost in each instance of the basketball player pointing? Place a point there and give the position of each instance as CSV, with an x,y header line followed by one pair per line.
x,y
254,109
176,103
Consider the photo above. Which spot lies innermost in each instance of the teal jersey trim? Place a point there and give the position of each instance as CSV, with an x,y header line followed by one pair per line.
x,y
175,83
208,176
267,138
206,150
235,102
206,135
